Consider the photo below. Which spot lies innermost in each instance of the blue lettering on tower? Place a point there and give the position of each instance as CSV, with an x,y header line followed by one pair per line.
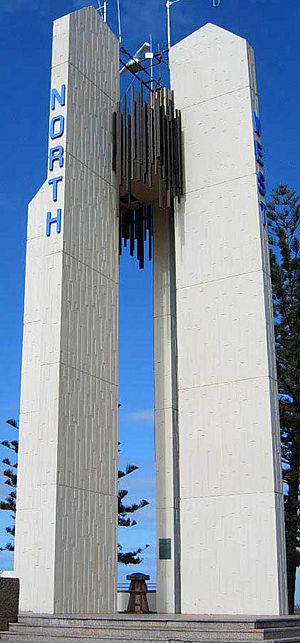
x,y
261,184
56,158
258,150
54,182
263,212
256,124
59,97
57,132
258,153
56,154
51,220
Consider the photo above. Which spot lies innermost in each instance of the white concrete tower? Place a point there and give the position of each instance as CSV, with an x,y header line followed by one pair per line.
x,y
66,525
232,549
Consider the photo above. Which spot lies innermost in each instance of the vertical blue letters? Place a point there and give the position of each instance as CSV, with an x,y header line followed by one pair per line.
x,y
60,98
60,129
259,153
51,220
258,148
56,154
256,123
54,182
263,211
261,184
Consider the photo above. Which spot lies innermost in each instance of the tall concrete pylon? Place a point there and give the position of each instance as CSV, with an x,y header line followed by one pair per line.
x,y
230,555
66,528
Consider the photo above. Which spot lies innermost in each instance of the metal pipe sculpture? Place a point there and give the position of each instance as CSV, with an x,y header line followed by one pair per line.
x,y
148,161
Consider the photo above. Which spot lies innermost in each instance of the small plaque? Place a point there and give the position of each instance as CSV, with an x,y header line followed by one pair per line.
x,y
165,549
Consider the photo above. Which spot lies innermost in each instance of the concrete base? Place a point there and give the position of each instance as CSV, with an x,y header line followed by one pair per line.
x,y
153,627
9,601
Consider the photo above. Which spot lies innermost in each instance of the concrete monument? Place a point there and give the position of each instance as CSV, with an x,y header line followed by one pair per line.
x,y
193,180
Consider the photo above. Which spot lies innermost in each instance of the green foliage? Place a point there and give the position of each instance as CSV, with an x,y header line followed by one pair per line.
x,y
284,233
12,423
10,475
130,557
124,520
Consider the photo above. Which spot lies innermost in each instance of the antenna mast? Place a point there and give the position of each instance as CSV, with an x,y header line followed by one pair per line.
x,y
169,4
119,21
102,8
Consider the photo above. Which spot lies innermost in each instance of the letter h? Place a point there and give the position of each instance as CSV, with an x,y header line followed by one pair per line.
x,y
51,220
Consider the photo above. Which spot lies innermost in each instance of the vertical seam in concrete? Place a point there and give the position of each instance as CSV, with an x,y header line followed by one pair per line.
x,y
175,428
279,532
61,323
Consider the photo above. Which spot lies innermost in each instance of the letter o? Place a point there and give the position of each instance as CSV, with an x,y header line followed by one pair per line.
x,y
54,131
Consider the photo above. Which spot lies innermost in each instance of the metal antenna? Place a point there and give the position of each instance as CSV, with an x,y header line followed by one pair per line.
x,y
119,21
151,62
102,8
169,3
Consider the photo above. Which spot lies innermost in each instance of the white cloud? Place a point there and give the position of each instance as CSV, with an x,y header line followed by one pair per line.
x,y
144,416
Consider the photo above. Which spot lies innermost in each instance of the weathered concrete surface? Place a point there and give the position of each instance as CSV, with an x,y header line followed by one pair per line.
x,y
9,601
158,628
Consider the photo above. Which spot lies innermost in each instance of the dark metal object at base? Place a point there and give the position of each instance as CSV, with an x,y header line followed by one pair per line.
x,y
138,603
9,601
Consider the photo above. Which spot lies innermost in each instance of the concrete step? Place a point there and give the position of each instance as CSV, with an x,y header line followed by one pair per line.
x,y
277,622
152,620
280,633
137,633
82,634
10,637
151,628
133,626
157,620
45,637
3,623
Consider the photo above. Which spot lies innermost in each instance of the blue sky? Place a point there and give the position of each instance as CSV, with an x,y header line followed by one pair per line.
x,y
273,28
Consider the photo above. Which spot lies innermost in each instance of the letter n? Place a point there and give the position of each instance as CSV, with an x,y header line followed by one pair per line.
x,y
59,97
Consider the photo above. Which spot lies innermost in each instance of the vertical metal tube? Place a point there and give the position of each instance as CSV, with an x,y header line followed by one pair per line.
x,y
119,21
168,6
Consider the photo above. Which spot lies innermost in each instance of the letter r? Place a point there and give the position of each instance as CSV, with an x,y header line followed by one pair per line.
x,y
56,154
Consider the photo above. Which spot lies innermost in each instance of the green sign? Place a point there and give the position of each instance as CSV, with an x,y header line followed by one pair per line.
x,y
165,549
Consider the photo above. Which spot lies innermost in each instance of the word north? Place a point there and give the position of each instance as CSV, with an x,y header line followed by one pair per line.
x,y
56,159
258,149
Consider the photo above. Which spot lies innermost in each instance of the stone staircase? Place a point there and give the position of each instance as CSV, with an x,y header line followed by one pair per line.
x,y
152,628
